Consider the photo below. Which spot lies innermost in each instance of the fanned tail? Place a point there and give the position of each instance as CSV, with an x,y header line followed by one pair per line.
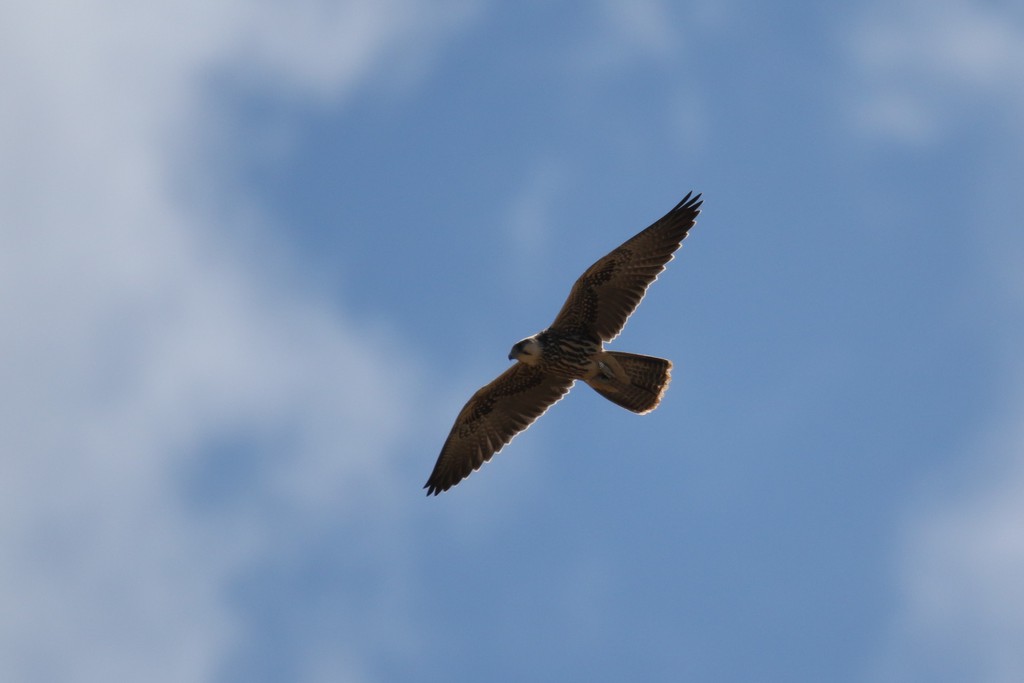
x,y
632,381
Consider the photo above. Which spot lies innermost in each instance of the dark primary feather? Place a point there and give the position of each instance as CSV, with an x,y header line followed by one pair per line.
x,y
490,419
603,298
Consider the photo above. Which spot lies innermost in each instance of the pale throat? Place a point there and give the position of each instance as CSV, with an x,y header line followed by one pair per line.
x,y
528,351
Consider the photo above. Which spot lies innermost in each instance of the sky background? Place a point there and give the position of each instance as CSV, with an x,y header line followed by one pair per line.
x,y
254,257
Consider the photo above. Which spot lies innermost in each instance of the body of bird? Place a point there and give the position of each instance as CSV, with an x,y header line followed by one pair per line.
x,y
572,348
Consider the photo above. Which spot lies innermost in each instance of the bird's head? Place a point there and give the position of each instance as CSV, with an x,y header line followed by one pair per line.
x,y
526,351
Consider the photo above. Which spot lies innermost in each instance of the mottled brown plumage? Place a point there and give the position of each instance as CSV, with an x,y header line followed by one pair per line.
x,y
597,308
609,291
490,419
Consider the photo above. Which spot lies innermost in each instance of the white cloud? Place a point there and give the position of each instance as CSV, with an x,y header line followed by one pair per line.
x,y
961,615
631,34
921,71
136,336
919,65
620,36
529,215
638,28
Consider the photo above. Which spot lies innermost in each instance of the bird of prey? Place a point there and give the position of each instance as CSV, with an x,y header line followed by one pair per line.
x,y
572,348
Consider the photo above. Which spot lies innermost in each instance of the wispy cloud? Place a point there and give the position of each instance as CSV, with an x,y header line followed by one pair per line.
x,y
960,616
635,30
147,363
923,70
922,64
529,215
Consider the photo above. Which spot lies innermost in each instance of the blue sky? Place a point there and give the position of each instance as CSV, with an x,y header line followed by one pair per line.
x,y
255,257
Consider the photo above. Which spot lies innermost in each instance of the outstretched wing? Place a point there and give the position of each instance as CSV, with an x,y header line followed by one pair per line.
x,y
606,295
490,419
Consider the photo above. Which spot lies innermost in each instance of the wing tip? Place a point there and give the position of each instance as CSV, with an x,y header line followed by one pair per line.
x,y
435,488
691,202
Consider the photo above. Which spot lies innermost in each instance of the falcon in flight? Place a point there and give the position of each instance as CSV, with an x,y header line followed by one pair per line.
x,y
572,348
